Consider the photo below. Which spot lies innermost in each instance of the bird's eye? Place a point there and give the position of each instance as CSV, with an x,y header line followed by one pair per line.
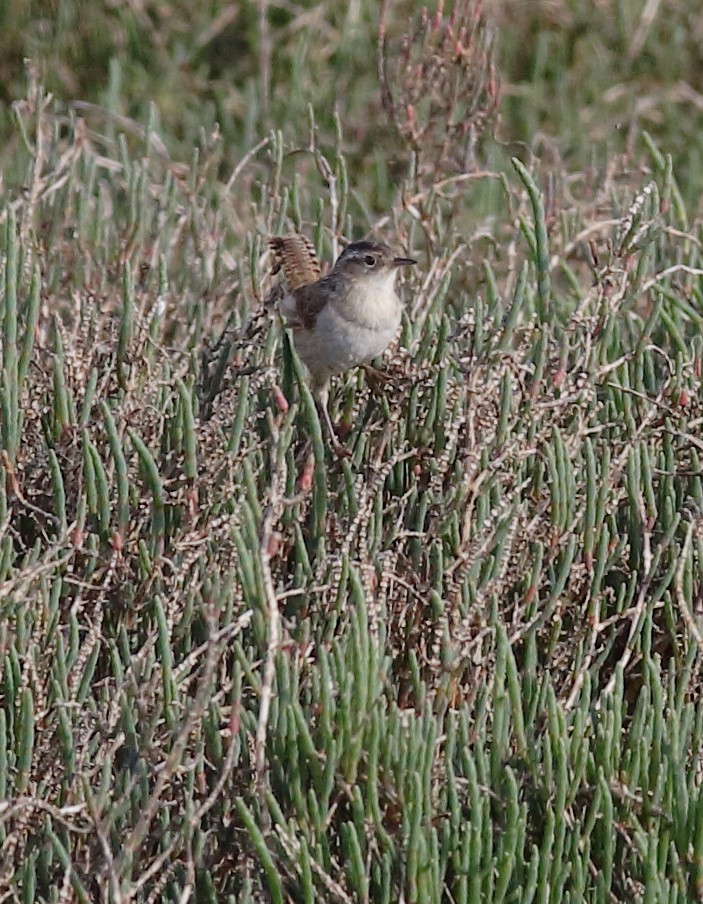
x,y
370,260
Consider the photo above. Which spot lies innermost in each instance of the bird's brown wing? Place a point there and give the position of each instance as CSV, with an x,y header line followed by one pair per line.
x,y
295,255
301,306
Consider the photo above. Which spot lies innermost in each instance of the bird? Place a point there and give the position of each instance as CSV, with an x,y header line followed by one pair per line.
x,y
343,319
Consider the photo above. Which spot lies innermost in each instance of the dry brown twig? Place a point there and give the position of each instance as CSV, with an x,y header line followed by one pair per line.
x,y
267,542
173,761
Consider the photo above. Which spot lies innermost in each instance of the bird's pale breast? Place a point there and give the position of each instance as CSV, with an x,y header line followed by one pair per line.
x,y
356,326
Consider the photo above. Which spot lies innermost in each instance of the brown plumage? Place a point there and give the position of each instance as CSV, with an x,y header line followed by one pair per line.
x,y
295,255
341,320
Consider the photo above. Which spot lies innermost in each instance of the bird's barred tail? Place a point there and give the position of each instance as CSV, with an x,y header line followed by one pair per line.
x,y
295,256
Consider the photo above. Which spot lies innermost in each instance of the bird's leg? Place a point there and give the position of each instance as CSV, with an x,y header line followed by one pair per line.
x,y
321,393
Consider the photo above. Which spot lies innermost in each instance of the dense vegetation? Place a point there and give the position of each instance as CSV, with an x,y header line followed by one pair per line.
x,y
463,665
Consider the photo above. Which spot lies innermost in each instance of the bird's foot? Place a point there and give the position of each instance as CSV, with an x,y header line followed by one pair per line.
x,y
377,379
340,450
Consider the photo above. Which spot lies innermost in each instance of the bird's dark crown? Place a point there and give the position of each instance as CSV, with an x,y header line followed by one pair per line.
x,y
361,249
369,257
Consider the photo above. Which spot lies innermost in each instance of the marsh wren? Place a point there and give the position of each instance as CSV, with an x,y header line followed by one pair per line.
x,y
341,320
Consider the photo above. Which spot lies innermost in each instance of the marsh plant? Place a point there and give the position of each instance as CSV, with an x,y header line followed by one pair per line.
x,y
462,664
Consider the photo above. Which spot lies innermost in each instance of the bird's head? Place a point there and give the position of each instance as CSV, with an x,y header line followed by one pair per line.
x,y
373,259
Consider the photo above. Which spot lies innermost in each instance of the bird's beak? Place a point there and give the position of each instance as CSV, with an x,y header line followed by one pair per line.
x,y
404,262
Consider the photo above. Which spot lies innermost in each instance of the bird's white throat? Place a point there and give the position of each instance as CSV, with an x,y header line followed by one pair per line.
x,y
373,299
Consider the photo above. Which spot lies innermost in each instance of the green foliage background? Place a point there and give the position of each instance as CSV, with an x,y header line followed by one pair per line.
x,y
464,664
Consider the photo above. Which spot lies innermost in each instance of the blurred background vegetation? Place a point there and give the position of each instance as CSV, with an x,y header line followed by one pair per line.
x,y
580,80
